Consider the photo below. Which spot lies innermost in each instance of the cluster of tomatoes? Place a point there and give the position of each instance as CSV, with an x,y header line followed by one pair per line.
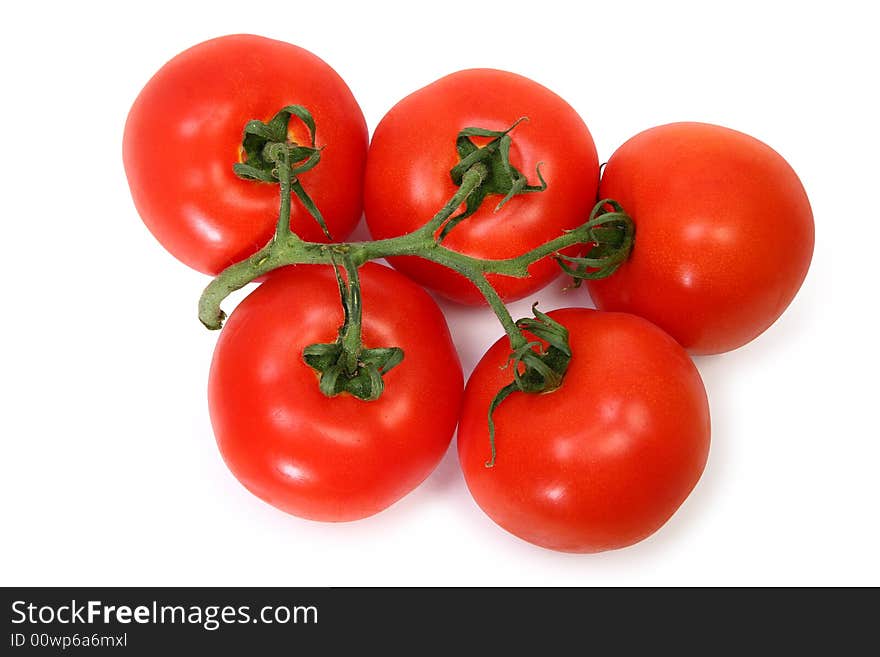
x,y
723,241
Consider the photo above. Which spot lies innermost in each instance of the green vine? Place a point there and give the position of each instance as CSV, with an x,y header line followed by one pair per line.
x,y
346,365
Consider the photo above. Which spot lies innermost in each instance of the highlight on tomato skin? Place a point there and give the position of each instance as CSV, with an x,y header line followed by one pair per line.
x,y
184,134
724,234
605,460
332,458
413,150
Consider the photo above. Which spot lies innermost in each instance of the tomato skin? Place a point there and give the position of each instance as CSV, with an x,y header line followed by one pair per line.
x,y
184,133
724,234
413,150
605,460
339,458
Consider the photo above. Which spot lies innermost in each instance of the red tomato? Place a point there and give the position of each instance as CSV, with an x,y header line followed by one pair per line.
x,y
184,134
724,234
603,461
336,458
413,150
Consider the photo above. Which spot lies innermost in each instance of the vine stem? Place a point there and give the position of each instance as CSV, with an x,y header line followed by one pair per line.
x,y
287,249
282,229
351,332
514,334
478,174
347,365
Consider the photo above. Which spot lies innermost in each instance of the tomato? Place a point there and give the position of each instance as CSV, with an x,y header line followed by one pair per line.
x,y
413,150
184,134
603,461
336,458
724,234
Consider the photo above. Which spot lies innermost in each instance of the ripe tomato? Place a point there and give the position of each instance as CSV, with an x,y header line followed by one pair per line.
x,y
603,461
336,458
724,234
184,133
413,150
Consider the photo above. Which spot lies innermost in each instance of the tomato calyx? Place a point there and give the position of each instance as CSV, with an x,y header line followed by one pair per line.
x,y
268,151
346,365
499,175
611,234
536,368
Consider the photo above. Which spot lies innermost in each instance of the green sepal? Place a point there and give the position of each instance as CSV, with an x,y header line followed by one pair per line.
x,y
258,164
612,235
536,368
321,357
366,382
501,177
248,172
310,206
544,367
262,145
503,394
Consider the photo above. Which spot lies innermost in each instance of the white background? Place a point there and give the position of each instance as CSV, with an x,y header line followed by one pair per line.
x,y
110,474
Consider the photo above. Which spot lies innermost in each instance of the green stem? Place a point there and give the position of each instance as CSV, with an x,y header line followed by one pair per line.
x,y
282,229
351,332
286,248
472,179
514,334
422,243
231,279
